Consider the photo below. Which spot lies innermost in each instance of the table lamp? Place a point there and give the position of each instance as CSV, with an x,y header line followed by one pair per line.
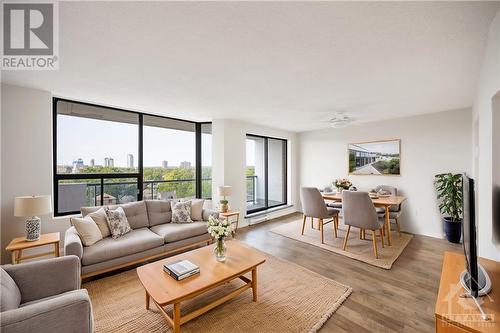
x,y
224,191
30,206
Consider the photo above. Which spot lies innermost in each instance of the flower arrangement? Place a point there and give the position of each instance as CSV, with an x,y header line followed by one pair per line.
x,y
219,230
342,183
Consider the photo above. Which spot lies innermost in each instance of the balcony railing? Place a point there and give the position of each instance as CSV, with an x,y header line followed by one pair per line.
x,y
126,191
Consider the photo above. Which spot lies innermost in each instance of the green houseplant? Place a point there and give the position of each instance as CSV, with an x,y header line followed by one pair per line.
x,y
449,194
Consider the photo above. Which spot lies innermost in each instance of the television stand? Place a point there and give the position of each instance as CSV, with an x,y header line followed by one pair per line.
x,y
455,313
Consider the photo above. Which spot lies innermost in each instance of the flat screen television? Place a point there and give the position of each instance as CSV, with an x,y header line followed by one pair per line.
x,y
474,279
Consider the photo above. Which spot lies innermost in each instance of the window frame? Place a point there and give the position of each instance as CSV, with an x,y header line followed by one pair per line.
x,y
139,175
266,177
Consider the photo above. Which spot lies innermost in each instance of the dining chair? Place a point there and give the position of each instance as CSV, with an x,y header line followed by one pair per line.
x,y
359,212
314,206
394,211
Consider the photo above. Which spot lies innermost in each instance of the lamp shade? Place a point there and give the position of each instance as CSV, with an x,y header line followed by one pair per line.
x,y
225,190
32,205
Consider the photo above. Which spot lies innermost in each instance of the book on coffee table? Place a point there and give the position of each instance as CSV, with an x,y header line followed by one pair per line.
x,y
181,269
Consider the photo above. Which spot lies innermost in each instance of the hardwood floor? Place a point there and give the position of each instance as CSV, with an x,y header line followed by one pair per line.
x,y
398,300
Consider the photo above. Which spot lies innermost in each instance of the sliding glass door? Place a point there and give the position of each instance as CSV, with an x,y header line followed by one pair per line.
x,y
266,172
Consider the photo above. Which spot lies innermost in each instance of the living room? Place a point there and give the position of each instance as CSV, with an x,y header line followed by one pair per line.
x,y
245,137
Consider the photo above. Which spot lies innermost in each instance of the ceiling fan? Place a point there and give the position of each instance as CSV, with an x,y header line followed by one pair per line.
x,y
340,120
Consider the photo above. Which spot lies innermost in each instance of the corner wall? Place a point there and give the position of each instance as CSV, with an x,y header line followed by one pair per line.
x,y
229,162
430,144
488,87
26,158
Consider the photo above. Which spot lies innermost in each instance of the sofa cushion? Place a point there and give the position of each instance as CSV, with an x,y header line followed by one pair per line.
x,y
197,209
118,222
181,212
87,230
89,209
101,219
11,296
135,241
136,212
159,211
172,232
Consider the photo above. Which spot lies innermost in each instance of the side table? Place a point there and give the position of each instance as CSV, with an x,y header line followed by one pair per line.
x,y
232,216
17,245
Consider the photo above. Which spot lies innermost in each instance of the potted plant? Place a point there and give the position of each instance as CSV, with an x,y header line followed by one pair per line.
x,y
449,193
342,184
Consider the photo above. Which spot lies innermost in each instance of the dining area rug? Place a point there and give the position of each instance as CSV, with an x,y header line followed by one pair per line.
x,y
359,249
290,299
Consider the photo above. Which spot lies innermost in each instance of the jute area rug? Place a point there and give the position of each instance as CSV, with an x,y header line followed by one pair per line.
x,y
290,299
361,250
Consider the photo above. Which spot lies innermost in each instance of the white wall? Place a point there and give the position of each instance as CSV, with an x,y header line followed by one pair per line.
x,y
430,144
489,85
229,161
26,157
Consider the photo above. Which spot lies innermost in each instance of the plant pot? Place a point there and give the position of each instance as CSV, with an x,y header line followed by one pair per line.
x,y
453,230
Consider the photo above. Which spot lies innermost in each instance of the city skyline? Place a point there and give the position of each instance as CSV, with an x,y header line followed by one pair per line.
x,y
160,144
164,164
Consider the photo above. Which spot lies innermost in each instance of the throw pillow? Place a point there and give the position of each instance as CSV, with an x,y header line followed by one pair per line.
x,y
11,296
100,218
87,230
181,212
197,209
118,223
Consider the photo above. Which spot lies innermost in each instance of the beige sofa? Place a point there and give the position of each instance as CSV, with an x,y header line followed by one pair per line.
x,y
152,236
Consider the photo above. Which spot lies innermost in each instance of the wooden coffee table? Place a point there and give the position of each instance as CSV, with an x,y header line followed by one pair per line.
x,y
164,290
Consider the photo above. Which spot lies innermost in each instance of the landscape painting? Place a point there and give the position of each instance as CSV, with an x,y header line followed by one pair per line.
x,y
375,158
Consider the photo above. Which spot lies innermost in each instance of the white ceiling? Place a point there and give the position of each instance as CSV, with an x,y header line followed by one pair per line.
x,y
285,65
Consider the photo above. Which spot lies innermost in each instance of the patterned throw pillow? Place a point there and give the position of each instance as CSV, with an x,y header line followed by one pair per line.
x,y
181,212
118,223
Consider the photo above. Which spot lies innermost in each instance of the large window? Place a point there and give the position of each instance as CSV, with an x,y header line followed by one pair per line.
x,y
169,158
106,156
266,173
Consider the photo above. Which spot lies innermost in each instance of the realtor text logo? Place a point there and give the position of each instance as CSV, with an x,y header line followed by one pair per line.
x,y
29,36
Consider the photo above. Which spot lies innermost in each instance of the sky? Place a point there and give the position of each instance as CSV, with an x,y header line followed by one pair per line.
x,y
91,138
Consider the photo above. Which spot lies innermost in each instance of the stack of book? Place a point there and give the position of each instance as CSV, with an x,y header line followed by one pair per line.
x,y
182,269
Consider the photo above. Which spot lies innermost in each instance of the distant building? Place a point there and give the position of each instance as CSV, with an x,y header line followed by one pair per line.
x,y
77,165
109,162
164,164
108,199
130,161
185,164
92,162
362,156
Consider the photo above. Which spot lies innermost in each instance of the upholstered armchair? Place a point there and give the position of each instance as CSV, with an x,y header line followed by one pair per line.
x,y
314,206
359,212
394,211
44,297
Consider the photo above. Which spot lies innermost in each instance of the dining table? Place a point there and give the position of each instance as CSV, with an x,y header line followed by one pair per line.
x,y
379,201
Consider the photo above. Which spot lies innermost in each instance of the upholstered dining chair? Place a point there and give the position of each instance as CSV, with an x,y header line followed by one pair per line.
x,y
314,206
359,212
394,211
